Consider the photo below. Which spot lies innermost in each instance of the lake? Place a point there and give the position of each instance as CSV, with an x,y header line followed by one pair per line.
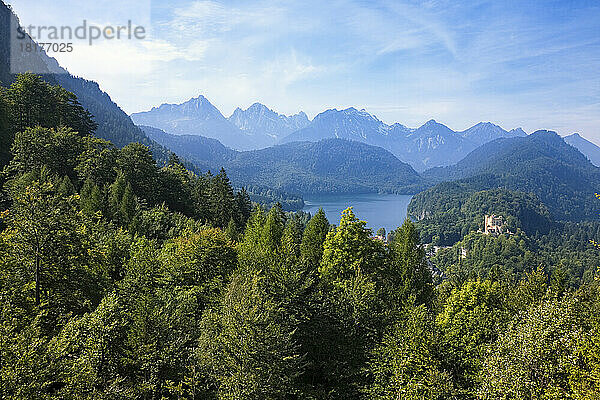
x,y
379,210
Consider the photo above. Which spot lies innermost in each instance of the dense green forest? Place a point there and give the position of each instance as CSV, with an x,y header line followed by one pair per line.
x,y
122,279
208,154
450,210
268,197
451,216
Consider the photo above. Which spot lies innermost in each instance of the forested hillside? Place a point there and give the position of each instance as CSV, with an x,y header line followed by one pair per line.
x,y
451,210
122,279
328,166
331,165
204,152
541,163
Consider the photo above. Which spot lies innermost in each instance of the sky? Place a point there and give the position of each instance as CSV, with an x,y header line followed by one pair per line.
x,y
530,64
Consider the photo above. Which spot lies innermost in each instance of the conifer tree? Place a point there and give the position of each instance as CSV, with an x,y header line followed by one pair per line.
x,y
128,205
311,248
252,246
66,187
200,197
350,250
273,228
292,239
221,199
407,273
243,207
116,191
90,198
232,231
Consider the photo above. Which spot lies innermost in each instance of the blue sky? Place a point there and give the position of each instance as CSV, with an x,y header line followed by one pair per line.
x,y
532,64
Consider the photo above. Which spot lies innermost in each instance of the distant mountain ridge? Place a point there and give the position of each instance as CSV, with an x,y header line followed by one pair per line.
x,y
430,145
436,144
506,154
330,165
350,124
587,148
258,119
196,116
484,132
254,128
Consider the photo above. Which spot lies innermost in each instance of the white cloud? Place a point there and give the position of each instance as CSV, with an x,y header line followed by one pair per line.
x,y
210,18
290,68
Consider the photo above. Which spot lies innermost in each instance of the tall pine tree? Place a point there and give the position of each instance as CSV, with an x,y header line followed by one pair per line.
x,y
311,248
222,199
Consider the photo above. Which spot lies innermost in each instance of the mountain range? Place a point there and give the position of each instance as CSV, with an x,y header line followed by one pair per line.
x,y
484,132
346,150
430,145
254,128
259,120
327,166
